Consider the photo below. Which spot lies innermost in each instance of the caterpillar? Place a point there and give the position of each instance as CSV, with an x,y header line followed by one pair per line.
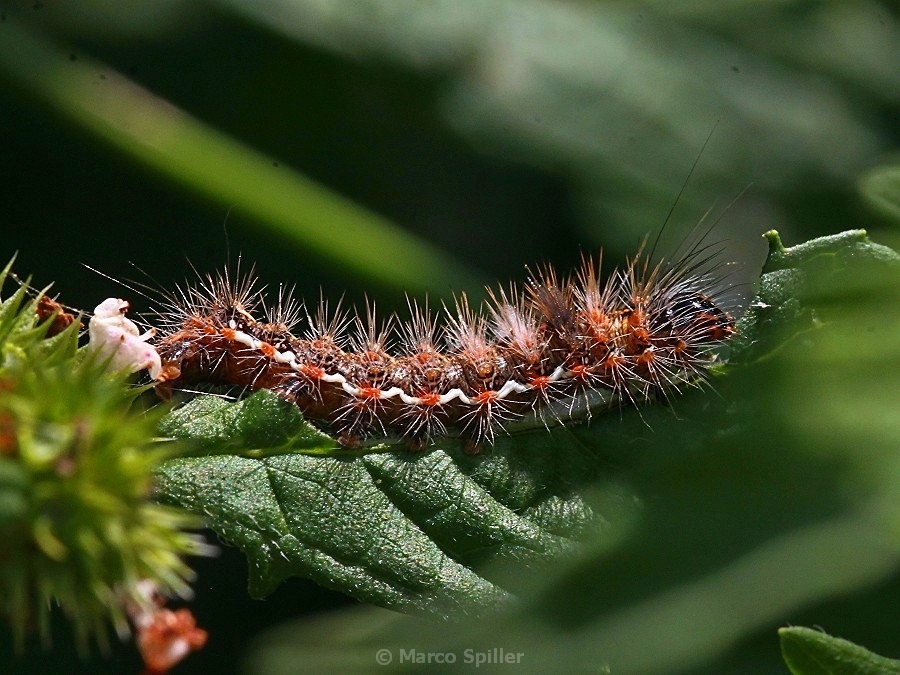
x,y
555,348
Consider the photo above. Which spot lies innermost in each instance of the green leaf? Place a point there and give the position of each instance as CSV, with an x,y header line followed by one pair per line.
x,y
259,425
447,534
880,187
754,509
812,652
328,520
399,529
789,299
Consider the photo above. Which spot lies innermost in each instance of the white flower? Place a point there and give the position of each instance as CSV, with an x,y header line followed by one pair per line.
x,y
119,339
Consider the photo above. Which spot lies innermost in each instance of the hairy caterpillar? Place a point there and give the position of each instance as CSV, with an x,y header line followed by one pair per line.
x,y
556,348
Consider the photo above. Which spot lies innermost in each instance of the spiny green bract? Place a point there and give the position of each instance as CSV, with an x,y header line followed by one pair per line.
x,y
77,525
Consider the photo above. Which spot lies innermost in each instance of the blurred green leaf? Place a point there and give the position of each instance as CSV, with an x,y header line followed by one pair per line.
x,y
792,277
169,140
812,652
880,187
620,93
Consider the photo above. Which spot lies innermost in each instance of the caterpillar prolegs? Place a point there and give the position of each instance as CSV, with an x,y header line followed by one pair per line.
x,y
551,349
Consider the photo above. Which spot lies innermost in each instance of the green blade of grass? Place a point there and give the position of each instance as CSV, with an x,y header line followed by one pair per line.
x,y
169,141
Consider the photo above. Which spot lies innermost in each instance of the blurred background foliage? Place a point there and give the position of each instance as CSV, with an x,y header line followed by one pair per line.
x,y
382,146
